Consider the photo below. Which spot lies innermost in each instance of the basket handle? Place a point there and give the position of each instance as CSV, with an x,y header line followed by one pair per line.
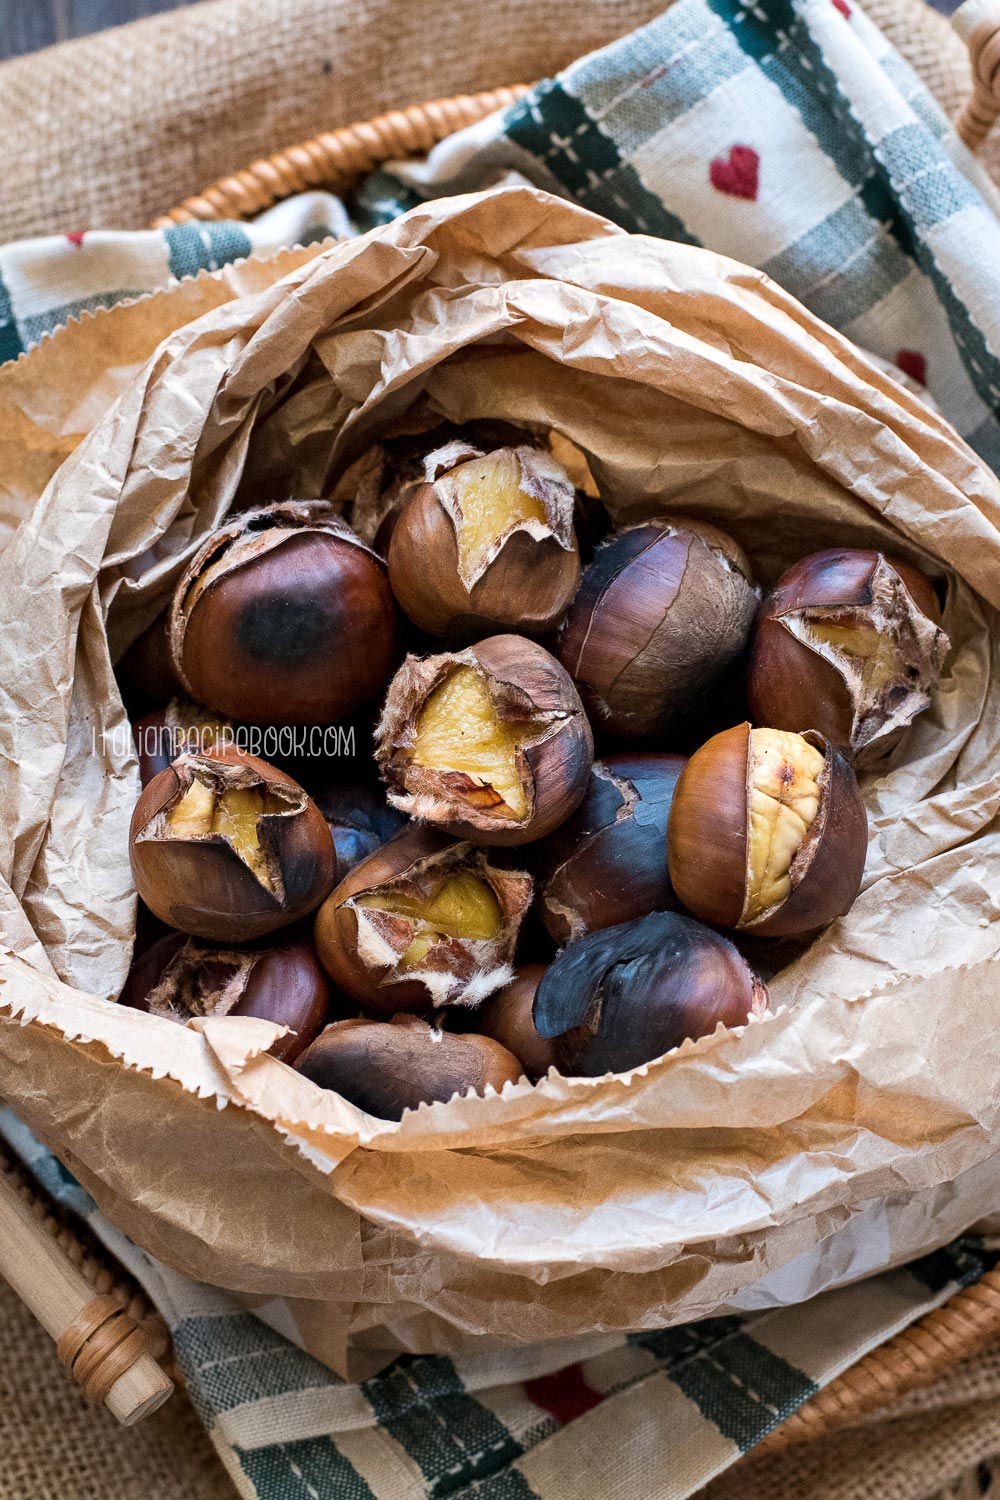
x,y
978,24
99,1343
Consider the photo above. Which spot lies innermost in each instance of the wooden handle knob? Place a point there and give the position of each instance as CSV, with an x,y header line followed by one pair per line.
x,y
978,24
98,1342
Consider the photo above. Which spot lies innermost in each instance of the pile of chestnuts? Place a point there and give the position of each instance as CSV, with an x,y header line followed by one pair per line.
x,y
479,900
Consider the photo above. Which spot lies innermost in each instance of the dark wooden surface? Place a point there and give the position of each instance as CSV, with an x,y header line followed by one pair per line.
x,y
26,25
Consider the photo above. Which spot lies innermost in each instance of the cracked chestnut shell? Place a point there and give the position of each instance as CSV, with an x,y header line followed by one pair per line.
x,y
490,743
607,863
623,996
484,541
848,642
182,728
507,1018
767,832
423,922
282,981
388,1067
662,611
229,848
284,616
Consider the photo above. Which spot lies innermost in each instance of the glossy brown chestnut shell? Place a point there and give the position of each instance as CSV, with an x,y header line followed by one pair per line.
x,y
663,610
719,814
388,1067
623,996
230,889
848,643
511,766
284,616
182,728
281,980
368,949
147,667
506,1017
484,541
607,863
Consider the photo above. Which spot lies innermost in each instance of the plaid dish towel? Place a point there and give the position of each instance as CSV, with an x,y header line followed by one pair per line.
x,y
790,135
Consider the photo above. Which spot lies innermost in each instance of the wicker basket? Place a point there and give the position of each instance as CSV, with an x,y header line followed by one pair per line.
x,y
337,160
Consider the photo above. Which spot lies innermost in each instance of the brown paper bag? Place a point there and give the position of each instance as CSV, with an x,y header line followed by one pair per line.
x,y
693,384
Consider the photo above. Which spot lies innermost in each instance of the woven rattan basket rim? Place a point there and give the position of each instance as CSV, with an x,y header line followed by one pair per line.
x,y
338,159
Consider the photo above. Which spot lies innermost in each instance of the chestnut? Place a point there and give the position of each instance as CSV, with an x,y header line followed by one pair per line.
x,y
663,609
484,541
506,1017
182,728
422,922
767,832
359,818
226,847
281,980
388,1067
847,642
147,667
621,997
284,616
490,743
607,863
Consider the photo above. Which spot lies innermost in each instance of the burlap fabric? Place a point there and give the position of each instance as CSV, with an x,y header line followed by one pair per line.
x,y
109,131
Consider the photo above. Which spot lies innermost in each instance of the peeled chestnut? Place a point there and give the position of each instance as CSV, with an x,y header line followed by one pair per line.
x,y
388,1067
847,642
607,863
506,1017
621,997
227,847
490,743
662,610
767,832
484,540
282,981
284,616
422,922
182,728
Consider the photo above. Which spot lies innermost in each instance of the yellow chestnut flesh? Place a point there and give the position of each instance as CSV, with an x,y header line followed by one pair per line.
x,y
491,501
463,906
458,730
235,815
873,655
784,800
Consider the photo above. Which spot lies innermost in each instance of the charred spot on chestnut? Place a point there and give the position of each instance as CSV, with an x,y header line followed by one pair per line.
x,y
607,863
507,1018
662,610
226,847
284,616
182,728
422,922
767,832
490,743
621,997
388,1067
180,978
847,642
484,540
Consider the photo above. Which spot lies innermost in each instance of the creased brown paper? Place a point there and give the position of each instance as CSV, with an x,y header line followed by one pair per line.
x,y
694,384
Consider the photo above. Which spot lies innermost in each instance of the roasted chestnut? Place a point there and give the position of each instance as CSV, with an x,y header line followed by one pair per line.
x,y
422,922
388,1067
147,668
484,541
226,847
621,997
359,818
490,743
607,863
284,616
662,610
281,980
767,832
848,643
506,1017
182,728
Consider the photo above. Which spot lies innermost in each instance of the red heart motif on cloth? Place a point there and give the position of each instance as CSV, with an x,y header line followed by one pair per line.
x,y
75,236
844,8
913,364
738,176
